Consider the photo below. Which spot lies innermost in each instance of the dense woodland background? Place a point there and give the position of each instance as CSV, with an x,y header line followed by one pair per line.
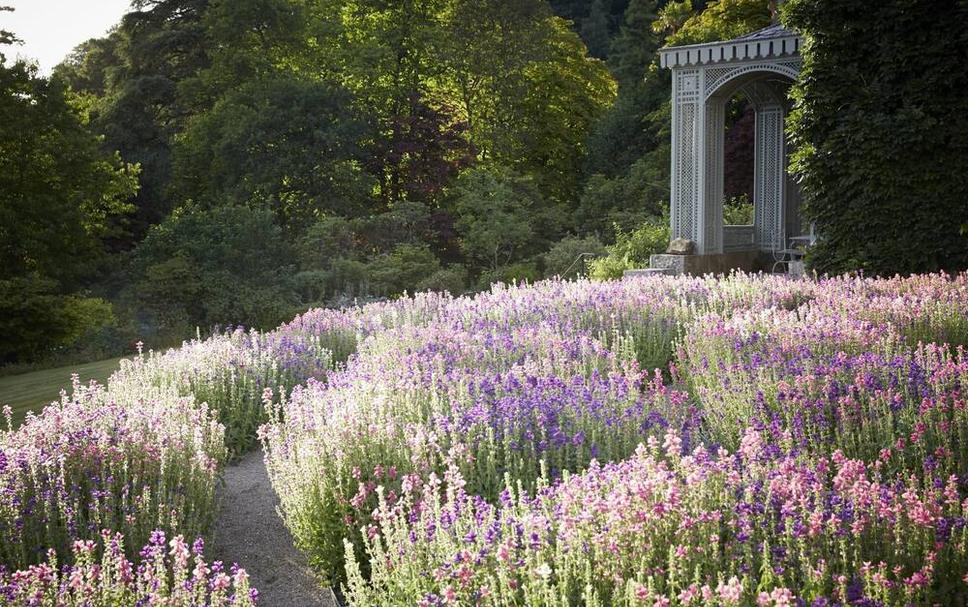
x,y
221,162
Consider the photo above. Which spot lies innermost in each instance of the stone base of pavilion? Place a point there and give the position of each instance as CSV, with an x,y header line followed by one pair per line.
x,y
699,265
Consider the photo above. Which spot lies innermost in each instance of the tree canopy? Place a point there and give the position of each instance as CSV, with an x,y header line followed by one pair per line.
x,y
309,152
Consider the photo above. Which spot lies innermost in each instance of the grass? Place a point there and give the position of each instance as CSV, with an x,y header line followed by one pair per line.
x,y
31,391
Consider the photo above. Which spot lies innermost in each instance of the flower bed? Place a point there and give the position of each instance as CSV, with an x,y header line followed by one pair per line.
x,y
488,450
660,441
128,462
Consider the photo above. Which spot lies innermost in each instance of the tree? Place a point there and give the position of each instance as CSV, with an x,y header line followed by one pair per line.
x,y
6,37
720,20
282,142
419,153
402,269
528,89
880,129
627,166
495,214
136,76
633,49
90,68
208,267
60,198
595,30
59,194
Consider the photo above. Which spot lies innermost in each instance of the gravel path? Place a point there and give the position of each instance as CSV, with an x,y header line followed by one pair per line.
x,y
248,531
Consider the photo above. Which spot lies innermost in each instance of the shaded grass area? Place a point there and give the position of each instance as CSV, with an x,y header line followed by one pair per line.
x,y
31,391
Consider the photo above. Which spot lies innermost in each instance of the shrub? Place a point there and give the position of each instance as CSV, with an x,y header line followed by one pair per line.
x,y
571,256
738,211
36,321
200,268
631,250
452,279
509,274
402,269
493,216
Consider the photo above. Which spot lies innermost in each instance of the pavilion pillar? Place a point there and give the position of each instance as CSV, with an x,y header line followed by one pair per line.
x,y
769,179
688,155
697,163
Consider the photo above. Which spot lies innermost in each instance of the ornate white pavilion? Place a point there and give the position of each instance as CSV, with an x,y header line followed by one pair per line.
x,y
761,67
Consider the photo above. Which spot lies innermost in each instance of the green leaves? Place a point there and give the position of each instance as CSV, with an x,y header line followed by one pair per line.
x,y
286,143
59,194
201,268
880,129
495,212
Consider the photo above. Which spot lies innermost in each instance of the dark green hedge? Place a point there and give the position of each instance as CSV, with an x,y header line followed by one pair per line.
x,y
881,132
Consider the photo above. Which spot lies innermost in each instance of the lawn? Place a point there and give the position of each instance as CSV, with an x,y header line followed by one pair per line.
x,y
31,391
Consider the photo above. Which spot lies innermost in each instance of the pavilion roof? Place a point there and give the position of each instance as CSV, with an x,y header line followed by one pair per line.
x,y
773,41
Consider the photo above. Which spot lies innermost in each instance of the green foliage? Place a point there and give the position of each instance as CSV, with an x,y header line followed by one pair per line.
x,y
202,268
452,280
738,211
402,269
570,256
495,211
284,143
380,255
35,320
881,131
327,239
59,195
721,20
515,273
633,49
595,30
61,200
625,200
632,249
137,78
628,161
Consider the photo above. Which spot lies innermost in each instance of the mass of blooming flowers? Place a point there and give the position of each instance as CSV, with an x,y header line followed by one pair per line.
x,y
745,440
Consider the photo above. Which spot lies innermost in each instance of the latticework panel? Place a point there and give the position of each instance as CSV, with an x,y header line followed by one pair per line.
x,y
769,169
686,154
718,77
686,172
712,205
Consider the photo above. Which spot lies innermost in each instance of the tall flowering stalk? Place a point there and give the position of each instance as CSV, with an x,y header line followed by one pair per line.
x,y
171,573
524,384
822,386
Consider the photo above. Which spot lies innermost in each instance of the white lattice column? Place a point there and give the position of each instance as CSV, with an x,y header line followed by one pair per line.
x,y
688,131
769,177
712,199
